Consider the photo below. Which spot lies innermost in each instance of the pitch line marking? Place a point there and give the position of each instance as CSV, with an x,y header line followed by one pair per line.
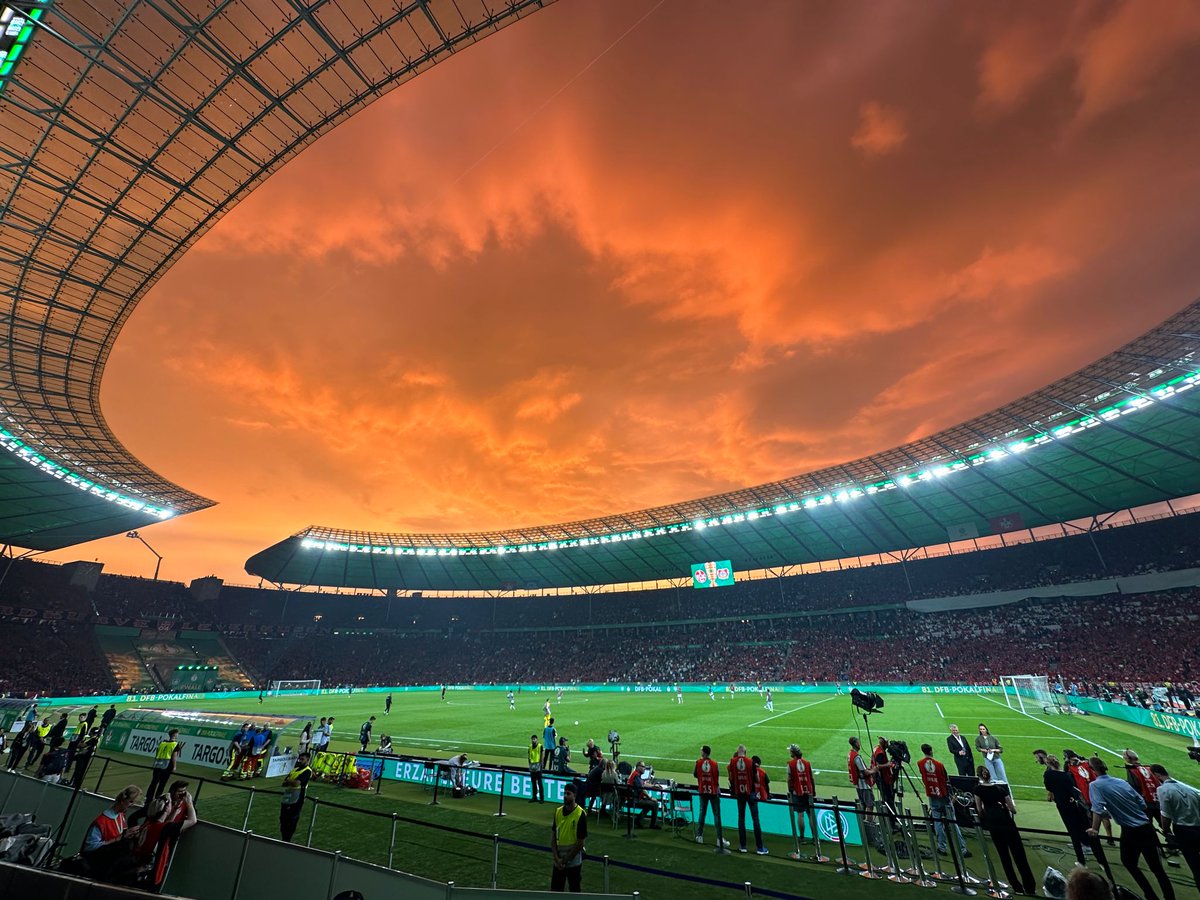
x,y
939,709
1055,727
795,709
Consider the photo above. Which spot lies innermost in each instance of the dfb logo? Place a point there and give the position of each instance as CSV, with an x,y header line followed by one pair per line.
x,y
829,825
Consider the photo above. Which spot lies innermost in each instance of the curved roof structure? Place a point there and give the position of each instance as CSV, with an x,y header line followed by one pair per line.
x,y
128,130
1120,433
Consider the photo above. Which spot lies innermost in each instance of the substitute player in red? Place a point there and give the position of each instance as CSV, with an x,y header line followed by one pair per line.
x,y
708,782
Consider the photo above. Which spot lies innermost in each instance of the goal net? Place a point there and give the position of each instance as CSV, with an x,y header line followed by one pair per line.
x,y
1030,693
313,684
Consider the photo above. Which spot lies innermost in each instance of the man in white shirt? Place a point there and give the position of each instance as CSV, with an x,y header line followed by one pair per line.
x,y
1180,806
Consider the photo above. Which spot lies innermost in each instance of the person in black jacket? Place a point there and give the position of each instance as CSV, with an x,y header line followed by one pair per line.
x,y
960,750
1074,812
993,803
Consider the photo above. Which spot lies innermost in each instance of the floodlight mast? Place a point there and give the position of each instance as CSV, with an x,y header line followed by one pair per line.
x,y
157,557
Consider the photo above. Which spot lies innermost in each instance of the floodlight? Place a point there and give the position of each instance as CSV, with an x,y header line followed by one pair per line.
x,y
867,701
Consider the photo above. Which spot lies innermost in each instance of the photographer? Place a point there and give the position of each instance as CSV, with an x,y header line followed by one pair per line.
x,y
937,789
708,783
1115,799
743,787
801,790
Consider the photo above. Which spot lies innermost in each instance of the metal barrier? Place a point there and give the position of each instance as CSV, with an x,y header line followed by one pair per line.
x,y
874,825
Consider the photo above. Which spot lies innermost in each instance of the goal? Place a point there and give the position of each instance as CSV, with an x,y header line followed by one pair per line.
x,y
1032,692
313,684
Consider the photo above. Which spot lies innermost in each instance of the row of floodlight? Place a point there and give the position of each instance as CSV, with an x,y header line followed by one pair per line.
x,y
899,480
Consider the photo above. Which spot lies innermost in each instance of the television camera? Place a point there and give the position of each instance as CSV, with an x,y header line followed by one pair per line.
x,y
614,743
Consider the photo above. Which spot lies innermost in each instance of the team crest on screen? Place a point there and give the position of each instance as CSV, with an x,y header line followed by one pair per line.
x,y
829,826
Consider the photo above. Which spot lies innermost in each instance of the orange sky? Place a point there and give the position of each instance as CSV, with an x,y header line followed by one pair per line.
x,y
558,277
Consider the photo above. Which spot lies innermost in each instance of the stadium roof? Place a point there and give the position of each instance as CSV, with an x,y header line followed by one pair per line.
x,y
128,130
1120,433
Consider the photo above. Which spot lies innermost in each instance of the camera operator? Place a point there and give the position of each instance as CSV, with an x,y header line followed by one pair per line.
x,y
885,776
937,789
1074,812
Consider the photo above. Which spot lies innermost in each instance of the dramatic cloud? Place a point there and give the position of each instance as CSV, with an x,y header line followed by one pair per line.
x,y
880,130
562,275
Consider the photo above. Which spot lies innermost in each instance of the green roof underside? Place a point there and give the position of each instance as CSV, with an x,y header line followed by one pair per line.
x,y
126,131
1148,454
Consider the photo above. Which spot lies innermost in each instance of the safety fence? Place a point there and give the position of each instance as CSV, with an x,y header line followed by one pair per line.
x,y
902,844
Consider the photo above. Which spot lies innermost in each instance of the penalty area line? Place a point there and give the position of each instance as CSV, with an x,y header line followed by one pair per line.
x,y
1055,727
796,709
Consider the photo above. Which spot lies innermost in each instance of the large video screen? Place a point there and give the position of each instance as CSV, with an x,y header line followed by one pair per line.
x,y
712,574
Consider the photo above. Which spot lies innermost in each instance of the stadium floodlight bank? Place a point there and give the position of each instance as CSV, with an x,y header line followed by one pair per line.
x,y
312,684
1032,692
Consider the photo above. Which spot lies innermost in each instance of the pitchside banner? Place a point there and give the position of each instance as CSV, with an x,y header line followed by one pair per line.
x,y
205,736
774,817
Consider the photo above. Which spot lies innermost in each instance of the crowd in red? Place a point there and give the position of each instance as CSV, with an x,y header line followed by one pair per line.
x,y
840,626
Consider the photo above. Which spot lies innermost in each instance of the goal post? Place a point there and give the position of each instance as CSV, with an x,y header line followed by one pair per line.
x,y
1031,693
312,684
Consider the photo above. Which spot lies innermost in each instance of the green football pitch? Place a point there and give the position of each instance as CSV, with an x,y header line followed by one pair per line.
x,y
667,735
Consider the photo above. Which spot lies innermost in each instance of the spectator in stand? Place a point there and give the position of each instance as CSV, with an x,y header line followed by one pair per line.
x,y
1115,799
166,819
1073,809
1083,884
937,789
295,786
108,844
743,787
1180,806
708,784
993,803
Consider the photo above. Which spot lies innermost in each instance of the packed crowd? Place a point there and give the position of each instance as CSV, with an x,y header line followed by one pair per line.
x,y
775,629
1105,643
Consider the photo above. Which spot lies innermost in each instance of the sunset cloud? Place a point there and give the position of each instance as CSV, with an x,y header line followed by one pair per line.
x,y
515,292
881,130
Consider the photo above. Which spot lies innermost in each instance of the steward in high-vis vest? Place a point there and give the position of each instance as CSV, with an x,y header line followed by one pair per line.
x,y
295,786
165,755
567,835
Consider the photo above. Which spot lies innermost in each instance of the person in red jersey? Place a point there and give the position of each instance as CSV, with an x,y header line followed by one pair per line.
x,y
743,787
937,790
708,783
800,791
1145,783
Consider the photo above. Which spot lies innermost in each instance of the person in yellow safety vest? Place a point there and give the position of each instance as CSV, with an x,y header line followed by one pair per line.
x,y
295,786
37,742
536,795
165,755
567,835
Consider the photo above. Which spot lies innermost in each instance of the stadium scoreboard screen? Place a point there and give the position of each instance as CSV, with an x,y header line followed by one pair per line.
x,y
712,574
